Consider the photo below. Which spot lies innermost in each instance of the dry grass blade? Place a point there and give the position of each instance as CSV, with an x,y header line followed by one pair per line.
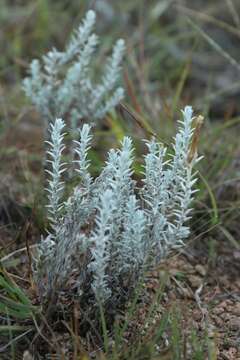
x,y
196,137
209,19
215,45
141,122
233,12
17,338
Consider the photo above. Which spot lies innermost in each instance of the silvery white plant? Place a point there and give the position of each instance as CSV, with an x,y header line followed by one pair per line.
x,y
62,84
108,231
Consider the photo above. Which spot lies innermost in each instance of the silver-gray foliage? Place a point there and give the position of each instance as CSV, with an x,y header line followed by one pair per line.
x,y
62,84
108,230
